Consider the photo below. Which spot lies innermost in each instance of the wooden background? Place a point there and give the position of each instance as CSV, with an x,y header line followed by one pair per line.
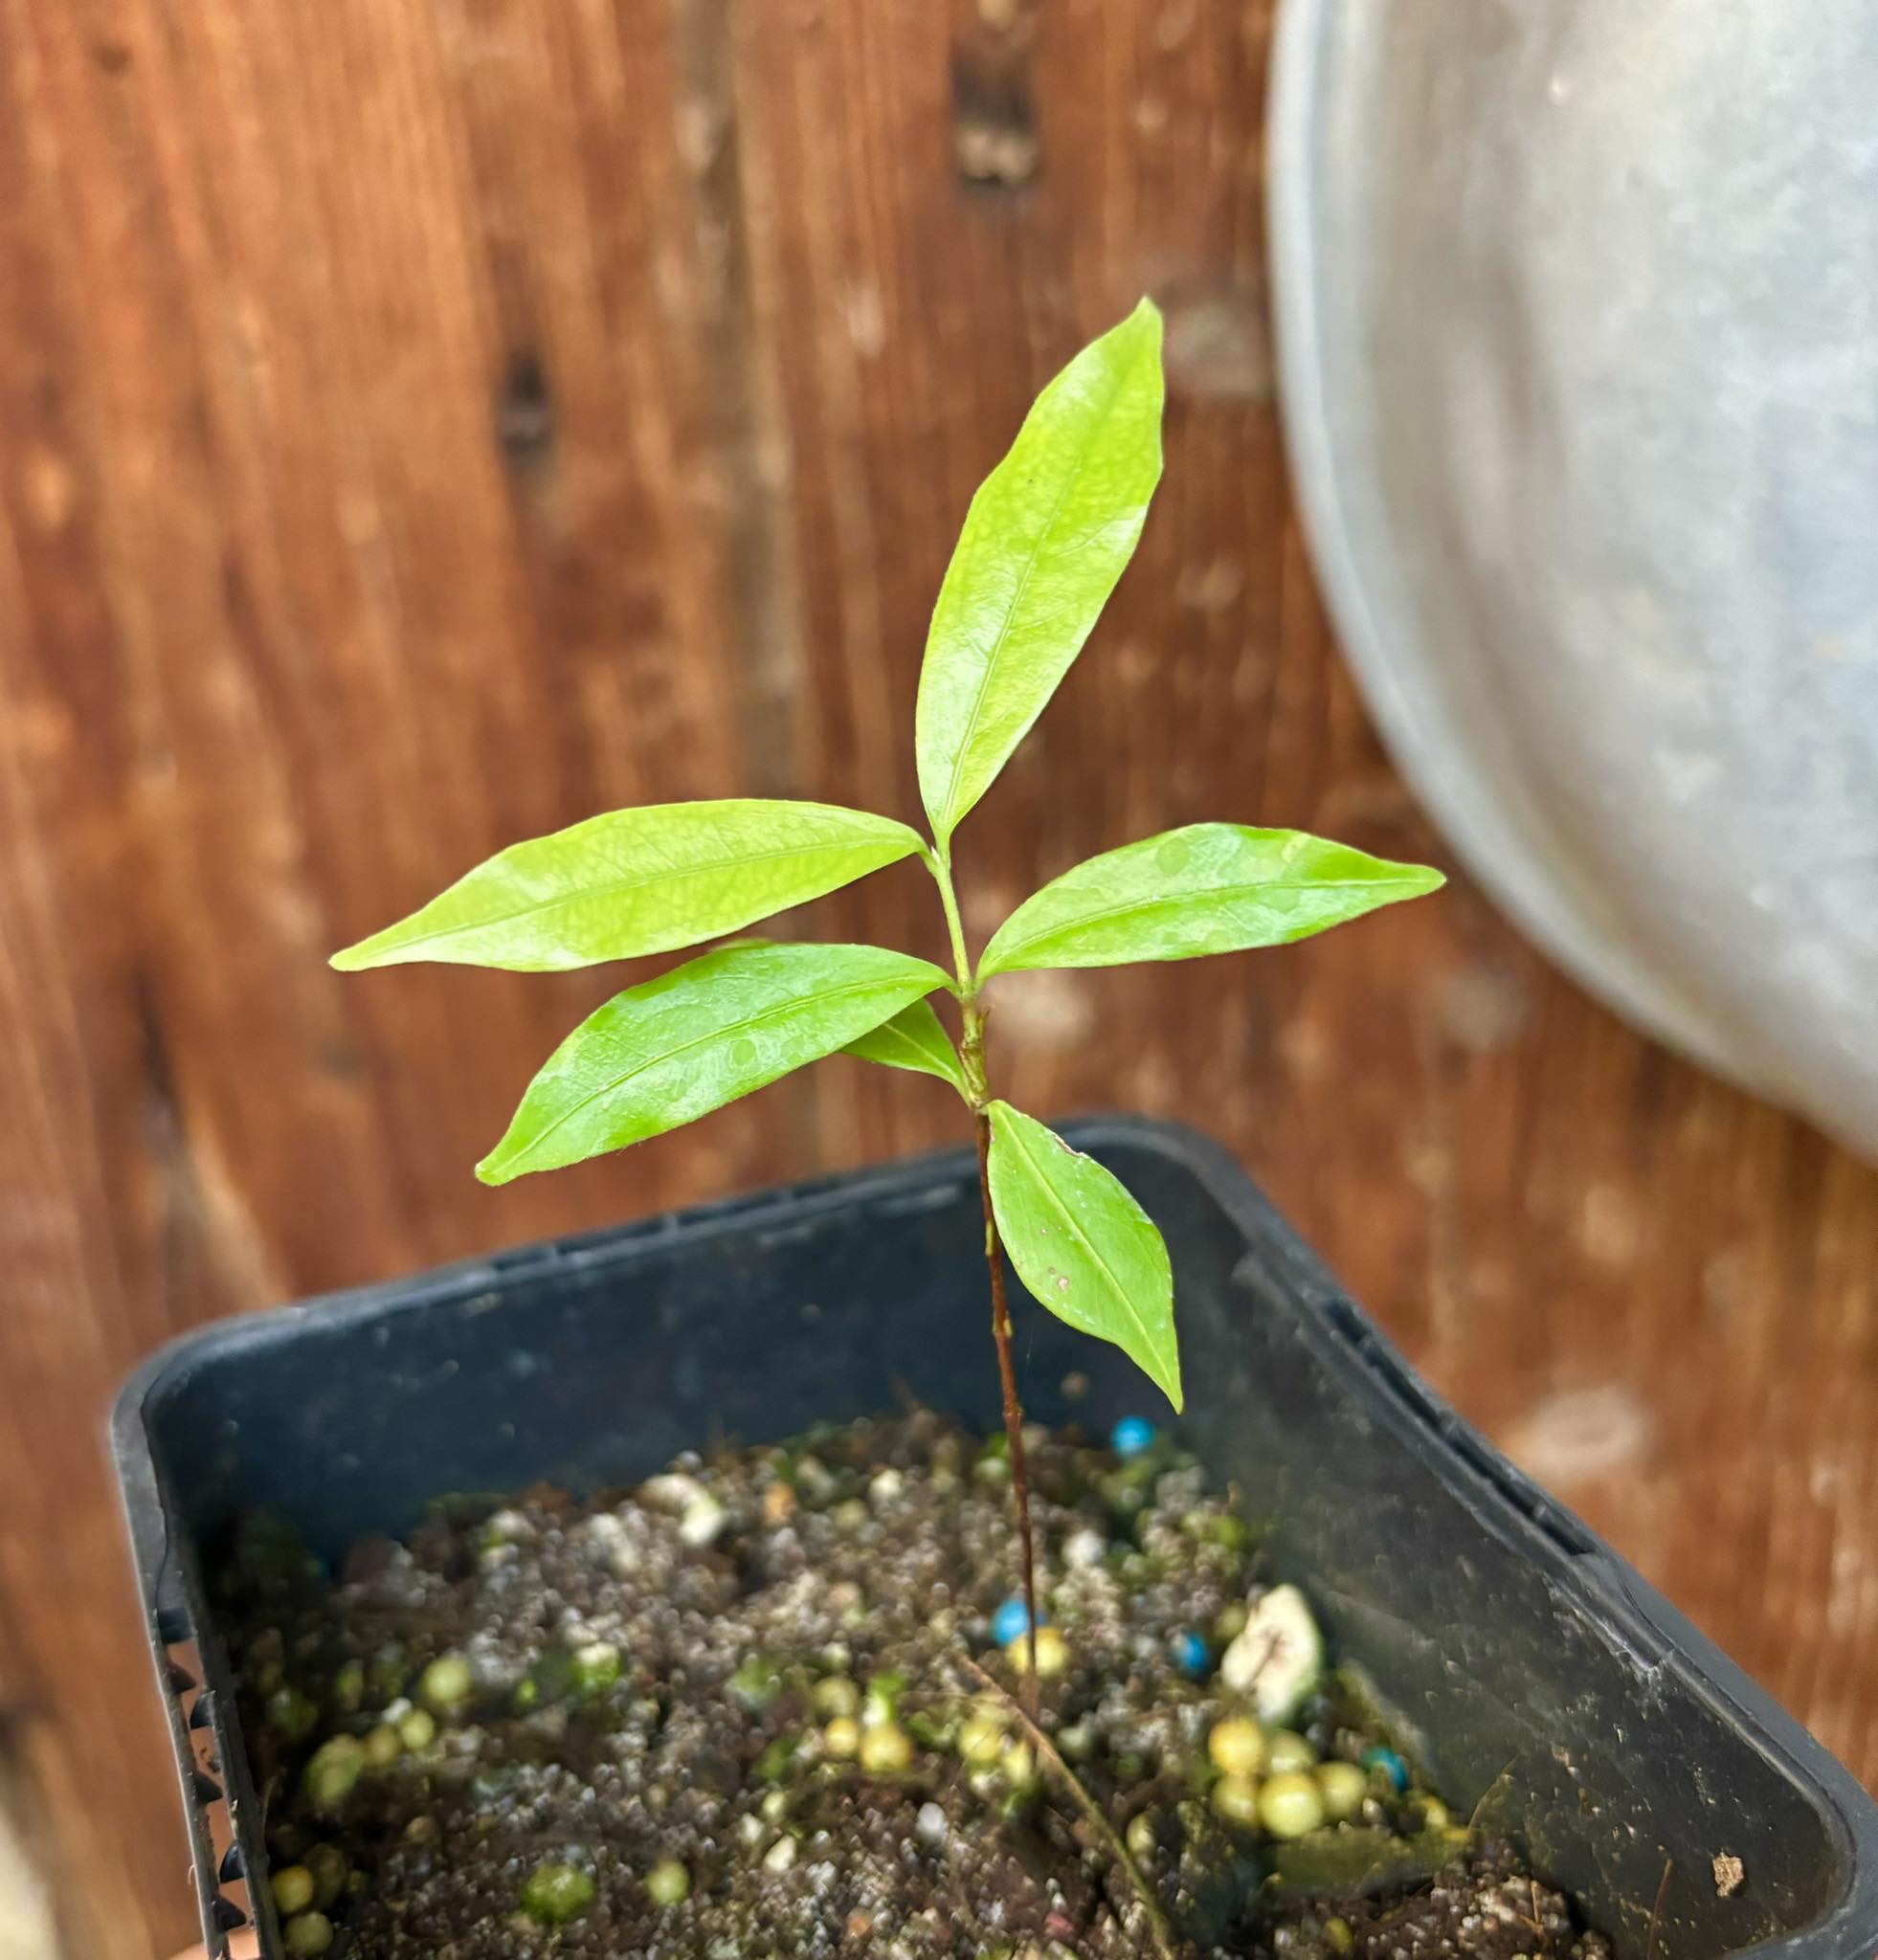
x,y
422,425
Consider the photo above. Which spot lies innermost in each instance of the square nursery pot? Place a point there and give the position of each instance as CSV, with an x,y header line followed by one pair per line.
x,y
1526,1657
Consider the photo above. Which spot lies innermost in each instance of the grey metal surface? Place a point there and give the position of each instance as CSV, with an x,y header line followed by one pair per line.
x,y
1577,312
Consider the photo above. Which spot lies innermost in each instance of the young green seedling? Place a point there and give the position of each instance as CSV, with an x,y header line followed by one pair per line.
x,y
1047,536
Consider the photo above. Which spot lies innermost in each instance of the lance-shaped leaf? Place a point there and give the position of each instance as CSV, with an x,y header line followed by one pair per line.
x,y
1082,1245
638,882
916,1039
1210,888
697,1038
1047,536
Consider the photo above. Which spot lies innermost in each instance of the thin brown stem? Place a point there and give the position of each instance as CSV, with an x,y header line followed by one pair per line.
x,y
978,1094
1656,1910
1013,1415
1047,1752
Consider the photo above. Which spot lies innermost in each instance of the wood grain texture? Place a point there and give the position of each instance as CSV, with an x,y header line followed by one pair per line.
x,y
425,425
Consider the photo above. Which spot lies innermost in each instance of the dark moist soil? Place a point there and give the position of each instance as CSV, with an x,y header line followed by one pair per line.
x,y
525,1728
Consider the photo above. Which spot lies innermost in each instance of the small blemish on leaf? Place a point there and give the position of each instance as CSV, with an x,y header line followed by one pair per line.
x,y
1173,856
743,1051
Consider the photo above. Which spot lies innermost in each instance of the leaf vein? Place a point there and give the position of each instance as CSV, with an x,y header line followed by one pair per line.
x,y
1180,901
729,1028
1094,1251
589,893
996,649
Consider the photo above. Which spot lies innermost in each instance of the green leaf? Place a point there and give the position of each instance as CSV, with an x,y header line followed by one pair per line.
x,y
697,1038
913,1039
1082,1245
1047,536
1210,888
638,882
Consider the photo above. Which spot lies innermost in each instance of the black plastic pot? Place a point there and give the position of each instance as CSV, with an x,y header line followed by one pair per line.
x,y
1543,1675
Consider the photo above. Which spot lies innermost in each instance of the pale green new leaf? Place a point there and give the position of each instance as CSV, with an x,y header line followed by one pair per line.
x,y
636,881
697,1038
1209,888
1047,536
913,1039
1082,1245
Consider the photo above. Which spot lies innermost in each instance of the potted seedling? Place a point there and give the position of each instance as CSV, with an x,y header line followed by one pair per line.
x,y
890,1685
1049,533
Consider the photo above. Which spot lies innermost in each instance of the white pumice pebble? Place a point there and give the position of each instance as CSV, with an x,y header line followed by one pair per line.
x,y
1084,1548
1279,1659
702,1521
671,1491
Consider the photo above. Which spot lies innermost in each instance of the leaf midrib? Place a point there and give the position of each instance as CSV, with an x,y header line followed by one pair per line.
x,y
997,649
889,1035
1069,1219
928,1059
1179,902
591,894
730,1028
